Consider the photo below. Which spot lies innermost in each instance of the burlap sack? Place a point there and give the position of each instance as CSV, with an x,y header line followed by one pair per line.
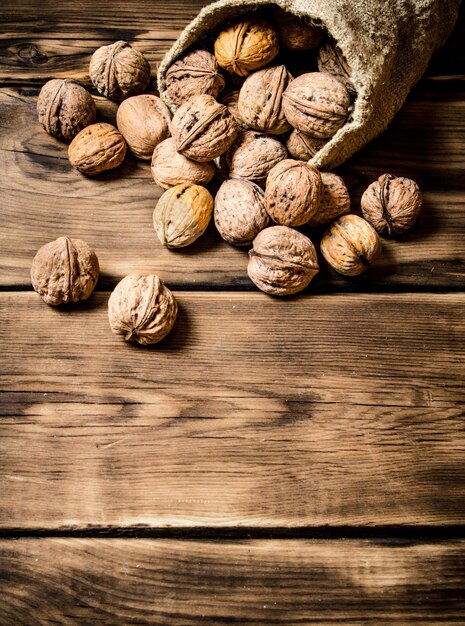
x,y
387,43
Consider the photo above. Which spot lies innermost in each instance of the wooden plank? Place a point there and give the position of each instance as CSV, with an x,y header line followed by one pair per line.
x,y
255,412
180,583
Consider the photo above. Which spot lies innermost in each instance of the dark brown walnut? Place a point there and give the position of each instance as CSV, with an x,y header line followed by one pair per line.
x,y
350,245
332,61
119,71
392,204
230,99
144,121
297,33
260,100
97,148
334,201
239,211
282,261
246,45
194,73
302,146
65,270
252,156
170,168
203,129
316,104
293,191
142,309
64,108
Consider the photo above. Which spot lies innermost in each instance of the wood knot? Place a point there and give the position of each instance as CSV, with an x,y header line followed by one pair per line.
x,y
30,54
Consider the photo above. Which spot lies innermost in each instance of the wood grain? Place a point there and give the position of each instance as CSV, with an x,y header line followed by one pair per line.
x,y
340,410
181,583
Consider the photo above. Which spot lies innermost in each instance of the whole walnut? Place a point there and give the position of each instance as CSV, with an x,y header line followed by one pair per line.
x,y
203,128
282,261
293,191
65,270
297,33
97,148
182,214
192,74
246,45
334,201
144,121
230,99
142,309
170,168
119,71
332,61
350,245
239,211
302,146
317,104
64,108
252,156
260,100
392,204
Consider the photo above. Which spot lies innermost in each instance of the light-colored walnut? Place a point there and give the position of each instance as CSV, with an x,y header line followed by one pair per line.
x,y
332,61
230,99
296,33
334,200
170,168
282,261
142,309
97,148
65,270
302,146
194,73
144,122
239,211
64,108
182,214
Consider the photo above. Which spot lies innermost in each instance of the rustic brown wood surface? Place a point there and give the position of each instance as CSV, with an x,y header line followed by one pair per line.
x,y
333,415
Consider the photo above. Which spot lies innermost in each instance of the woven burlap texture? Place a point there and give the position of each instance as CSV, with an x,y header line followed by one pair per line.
x,y
387,43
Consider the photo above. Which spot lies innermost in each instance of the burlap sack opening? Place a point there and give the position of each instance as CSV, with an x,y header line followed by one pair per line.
x,y
387,43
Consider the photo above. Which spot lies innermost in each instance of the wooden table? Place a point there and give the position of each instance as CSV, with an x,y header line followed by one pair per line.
x,y
296,461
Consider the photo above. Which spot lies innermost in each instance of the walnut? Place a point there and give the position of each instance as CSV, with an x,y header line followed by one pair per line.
x,y
260,100
230,99
170,168
350,244
252,156
65,270
297,33
282,261
119,71
143,121
332,61
182,214
192,74
246,45
239,211
203,128
302,146
97,148
317,104
142,309
292,194
64,108
334,201
392,204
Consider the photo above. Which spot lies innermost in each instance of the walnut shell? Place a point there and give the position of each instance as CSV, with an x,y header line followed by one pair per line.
x,y
246,45
350,244
64,108
296,33
142,309
260,100
97,148
332,61
203,128
239,211
282,261
182,214
230,99
65,270
391,204
119,71
293,191
252,156
144,122
170,168
194,73
316,103
334,201
302,146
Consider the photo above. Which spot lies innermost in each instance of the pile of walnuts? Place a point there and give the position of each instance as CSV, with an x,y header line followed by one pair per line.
x,y
239,115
